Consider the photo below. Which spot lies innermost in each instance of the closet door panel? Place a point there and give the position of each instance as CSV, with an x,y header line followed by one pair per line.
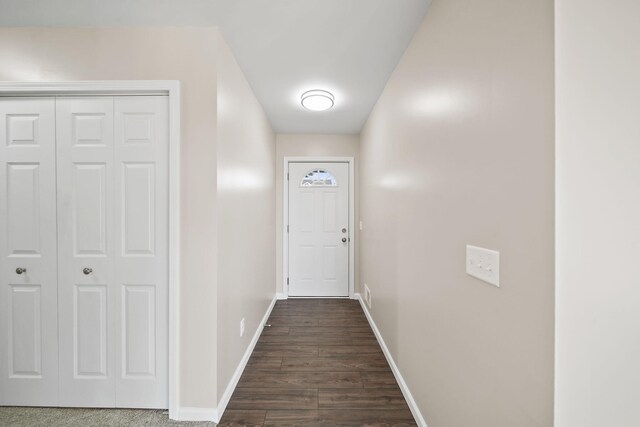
x,y
90,335
141,157
90,209
138,209
28,288
85,158
23,208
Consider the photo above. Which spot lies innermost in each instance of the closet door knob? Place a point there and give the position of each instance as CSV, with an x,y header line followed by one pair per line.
x,y
87,271
21,270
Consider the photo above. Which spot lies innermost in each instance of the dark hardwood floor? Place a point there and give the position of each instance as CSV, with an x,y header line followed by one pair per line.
x,y
319,364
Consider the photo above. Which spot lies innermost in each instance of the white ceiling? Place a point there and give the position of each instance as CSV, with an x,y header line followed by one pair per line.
x,y
284,47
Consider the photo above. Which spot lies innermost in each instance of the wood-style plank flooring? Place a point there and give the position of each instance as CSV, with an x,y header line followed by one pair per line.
x,y
318,364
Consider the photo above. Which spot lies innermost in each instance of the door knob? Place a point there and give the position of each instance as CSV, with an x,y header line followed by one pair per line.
x,y
87,271
21,270
344,240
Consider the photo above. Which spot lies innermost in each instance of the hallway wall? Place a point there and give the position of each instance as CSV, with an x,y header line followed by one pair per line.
x,y
300,145
598,213
246,214
184,54
460,150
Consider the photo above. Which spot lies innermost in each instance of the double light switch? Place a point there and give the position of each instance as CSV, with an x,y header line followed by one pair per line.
x,y
484,264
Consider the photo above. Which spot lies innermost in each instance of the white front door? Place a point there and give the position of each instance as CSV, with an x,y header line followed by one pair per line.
x,y
28,294
318,229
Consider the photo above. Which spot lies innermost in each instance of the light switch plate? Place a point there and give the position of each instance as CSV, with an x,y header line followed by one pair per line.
x,y
484,264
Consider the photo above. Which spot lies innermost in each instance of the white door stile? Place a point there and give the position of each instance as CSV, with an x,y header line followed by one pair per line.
x,y
28,311
142,222
85,140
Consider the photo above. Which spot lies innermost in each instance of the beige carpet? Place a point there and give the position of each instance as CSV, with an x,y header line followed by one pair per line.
x,y
75,417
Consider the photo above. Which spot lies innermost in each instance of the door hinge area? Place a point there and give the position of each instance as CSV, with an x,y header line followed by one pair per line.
x,y
287,280
287,228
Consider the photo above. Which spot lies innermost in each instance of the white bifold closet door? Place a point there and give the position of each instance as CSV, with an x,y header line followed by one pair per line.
x,y
84,262
112,251
28,270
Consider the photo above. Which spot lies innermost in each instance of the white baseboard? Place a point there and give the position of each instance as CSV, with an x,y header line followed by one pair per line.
x,y
281,296
394,368
215,414
224,401
195,414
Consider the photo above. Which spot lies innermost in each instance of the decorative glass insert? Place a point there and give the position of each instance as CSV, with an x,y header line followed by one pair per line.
x,y
319,178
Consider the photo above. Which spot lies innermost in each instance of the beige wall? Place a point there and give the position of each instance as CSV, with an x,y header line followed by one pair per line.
x,y
246,214
460,150
292,145
598,213
184,54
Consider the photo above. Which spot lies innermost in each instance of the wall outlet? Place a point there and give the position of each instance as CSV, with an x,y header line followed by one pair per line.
x,y
367,295
484,264
242,327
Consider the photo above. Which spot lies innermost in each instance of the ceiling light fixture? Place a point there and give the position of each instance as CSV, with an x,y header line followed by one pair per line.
x,y
317,100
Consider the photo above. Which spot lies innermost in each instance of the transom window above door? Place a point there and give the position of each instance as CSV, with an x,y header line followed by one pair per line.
x,y
319,178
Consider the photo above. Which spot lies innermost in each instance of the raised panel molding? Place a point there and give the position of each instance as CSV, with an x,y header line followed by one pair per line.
x,y
329,259
89,209
307,262
90,331
88,129
329,216
23,209
307,213
25,355
22,129
138,331
139,128
138,209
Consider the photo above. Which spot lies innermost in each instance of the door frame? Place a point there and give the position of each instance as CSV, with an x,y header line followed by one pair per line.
x,y
285,216
170,88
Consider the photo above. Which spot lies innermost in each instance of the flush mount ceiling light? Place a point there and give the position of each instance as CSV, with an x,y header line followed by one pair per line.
x,y
317,100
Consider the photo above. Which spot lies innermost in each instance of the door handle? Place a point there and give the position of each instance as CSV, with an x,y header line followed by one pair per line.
x,y
344,240
87,271
21,270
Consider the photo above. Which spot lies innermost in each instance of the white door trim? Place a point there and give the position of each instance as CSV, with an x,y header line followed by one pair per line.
x,y
135,87
285,216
